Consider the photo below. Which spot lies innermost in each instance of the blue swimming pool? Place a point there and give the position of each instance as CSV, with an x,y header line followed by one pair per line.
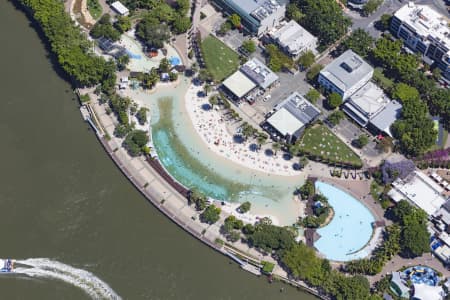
x,y
349,230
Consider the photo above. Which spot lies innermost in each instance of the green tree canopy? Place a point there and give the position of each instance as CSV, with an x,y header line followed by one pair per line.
x,y
181,24
415,240
235,20
323,18
371,6
70,45
404,92
293,12
313,95
362,140
211,215
359,41
415,130
123,24
245,207
153,33
334,100
196,197
314,72
307,59
104,28
277,59
249,46
307,189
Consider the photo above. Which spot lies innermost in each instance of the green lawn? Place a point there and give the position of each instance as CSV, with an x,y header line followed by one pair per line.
x,y
94,8
320,143
220,60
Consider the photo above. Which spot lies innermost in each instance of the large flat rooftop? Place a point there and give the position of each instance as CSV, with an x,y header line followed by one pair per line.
x,y
292,114
346,70
259,73
259,9
293,37
419,189
387,117
426,22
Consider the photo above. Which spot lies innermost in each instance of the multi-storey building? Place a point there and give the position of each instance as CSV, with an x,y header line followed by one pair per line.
x,y
425,31
257,16
294,39
346,74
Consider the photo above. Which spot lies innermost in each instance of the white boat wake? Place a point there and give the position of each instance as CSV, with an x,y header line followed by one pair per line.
x,y
46,268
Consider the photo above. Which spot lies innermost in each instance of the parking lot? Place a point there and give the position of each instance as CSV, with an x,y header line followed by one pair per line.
x,y
349,131
288,84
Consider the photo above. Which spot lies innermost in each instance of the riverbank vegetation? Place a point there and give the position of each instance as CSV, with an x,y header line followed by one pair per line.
x,y
70,46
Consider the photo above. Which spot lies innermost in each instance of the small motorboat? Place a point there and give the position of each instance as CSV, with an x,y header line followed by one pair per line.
x,y
6,265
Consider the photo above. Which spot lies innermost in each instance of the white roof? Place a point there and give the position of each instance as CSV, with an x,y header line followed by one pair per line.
x,y
293,37
419,189
427,292
259,73
120,8
346,70
384,119
239,84
369,99
285,122
443,252
426,22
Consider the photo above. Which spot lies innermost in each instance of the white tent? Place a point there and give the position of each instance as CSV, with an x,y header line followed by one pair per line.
x,y
426,292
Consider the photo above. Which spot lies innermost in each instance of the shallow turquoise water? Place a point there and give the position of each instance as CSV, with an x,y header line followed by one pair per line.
x,y
182,171
188,159
349,230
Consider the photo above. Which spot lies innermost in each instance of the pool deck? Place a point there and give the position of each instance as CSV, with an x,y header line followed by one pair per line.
x,y
360,190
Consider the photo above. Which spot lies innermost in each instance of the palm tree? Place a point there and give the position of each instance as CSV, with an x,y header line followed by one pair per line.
x,y
213,100
261,140
207,88
276,147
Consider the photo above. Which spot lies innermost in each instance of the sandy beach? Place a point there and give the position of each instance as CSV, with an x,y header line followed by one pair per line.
x,y
211,127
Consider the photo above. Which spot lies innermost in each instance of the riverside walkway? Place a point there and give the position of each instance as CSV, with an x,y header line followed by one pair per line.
x,y
160,189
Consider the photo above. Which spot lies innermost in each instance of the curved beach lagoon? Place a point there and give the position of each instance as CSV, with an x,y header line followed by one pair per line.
x,y
349,231
186,157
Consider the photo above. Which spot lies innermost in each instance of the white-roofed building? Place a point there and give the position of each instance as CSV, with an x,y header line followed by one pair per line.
x,y
291,117
259,73
366,103
420,190
425,31
427,292
120,8
294,39
346,74
257,16
239,85
285,122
